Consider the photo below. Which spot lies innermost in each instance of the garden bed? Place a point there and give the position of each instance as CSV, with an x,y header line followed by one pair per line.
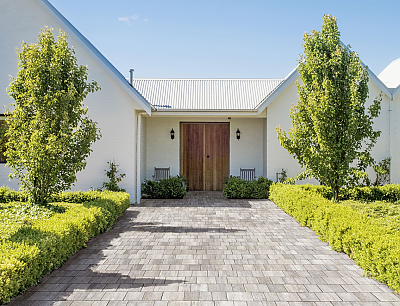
x,y
37,239
367,232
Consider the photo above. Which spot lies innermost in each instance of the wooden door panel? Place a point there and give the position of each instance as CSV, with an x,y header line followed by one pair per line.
x,y
192,151
205,154
216,155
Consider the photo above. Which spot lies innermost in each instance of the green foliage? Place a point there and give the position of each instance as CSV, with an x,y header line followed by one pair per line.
x,y
114,177
283,176
50,235
236,188
170,188
384,213
49,133
3,139
382,172
373,245
10,195
331,126
389,193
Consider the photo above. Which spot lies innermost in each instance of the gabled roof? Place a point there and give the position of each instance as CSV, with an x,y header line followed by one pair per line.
x,y
92,50
205,94
390,76
293,76
277,91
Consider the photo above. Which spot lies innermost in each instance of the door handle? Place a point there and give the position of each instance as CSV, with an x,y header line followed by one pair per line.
x,y
208,156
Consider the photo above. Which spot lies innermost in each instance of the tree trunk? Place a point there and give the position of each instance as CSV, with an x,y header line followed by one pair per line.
x,y
335,190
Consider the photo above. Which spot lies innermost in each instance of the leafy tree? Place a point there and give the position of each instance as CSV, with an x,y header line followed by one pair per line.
x,y
332,133
49,133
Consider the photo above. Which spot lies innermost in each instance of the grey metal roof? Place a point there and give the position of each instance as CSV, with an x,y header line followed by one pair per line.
x,y
205,94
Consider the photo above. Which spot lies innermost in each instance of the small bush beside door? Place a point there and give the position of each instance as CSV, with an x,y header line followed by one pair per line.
x,y
236,188
171,188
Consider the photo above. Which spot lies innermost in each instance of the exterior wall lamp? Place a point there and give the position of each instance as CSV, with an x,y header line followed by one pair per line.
x,y
238,134
172,133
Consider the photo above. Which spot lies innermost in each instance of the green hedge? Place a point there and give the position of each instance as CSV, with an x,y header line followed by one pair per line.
x,y
390,192
37,248
236,188
9,195
374,247
171,188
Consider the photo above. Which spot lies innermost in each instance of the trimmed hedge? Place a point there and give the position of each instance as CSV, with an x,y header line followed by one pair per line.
x,y
170,188
9,195
390,192
236,188
38,247
374,247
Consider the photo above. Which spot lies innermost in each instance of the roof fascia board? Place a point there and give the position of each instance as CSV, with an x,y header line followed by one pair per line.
x,y
211,113
281,87
378,82
96,54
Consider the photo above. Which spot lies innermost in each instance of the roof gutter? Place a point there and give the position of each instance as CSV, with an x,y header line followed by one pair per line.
x,y
205,112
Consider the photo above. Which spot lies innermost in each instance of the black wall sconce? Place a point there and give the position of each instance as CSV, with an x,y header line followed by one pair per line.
x,y
172,134
238,134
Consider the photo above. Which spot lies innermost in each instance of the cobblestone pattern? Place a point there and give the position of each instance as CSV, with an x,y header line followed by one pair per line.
x,y
205,250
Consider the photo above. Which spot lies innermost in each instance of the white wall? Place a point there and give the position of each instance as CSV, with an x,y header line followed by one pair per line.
x,y
161,150
143,149
278,113
381,123
395,136
248,152
111,107
164,152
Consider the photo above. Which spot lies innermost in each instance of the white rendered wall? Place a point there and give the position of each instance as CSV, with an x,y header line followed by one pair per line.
x,y
143,147
381,149
161,150
278,113
111,107
395,136
164,152
248,152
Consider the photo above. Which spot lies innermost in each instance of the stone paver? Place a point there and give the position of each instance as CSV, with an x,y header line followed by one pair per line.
x,y
205,250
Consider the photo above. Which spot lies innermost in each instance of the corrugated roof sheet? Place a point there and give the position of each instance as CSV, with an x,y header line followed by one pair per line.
x,y
205,94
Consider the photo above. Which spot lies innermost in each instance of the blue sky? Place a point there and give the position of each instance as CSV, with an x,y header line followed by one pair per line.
x,y
228,38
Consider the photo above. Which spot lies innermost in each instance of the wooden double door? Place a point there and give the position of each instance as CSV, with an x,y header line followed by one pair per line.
x,y
205,154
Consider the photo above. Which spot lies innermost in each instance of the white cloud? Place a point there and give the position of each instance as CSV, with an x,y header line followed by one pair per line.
x,y
128,19
145,20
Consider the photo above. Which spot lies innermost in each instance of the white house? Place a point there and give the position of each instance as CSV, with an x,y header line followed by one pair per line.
x,y
137,119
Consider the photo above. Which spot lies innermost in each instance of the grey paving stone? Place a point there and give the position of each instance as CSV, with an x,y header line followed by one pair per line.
x,y
205,250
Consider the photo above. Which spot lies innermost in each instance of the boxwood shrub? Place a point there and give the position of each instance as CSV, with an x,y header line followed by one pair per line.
x,y
38,247
390,192
374,247
236,188
171,188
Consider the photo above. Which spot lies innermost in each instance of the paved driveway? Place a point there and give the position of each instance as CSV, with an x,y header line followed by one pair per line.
x,y
205,250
